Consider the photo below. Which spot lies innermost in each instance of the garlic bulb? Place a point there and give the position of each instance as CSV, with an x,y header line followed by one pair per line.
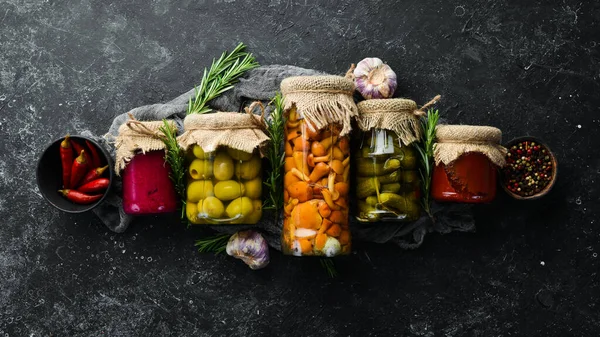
x,y
374,79
250,247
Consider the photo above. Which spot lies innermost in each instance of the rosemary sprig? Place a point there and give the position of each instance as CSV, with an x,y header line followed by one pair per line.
x,y
222,75
329,266
175,158
213,244
275,155
425,148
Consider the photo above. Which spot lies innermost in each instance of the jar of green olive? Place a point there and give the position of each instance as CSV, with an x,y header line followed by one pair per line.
x,y
387,185
224,167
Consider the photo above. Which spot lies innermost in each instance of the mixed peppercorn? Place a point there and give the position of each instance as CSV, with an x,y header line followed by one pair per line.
x,y
82,175
528,169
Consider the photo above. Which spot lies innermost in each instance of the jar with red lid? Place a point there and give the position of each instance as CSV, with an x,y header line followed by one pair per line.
x,y
466,162
140,160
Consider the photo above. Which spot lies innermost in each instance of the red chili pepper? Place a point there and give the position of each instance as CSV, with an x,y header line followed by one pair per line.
x,y
80,198
94,157
66,158
78,148
97,185
93,174
78,169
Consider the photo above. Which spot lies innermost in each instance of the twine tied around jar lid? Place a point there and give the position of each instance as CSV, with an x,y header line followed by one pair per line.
x,y
455,140
395,114
240,131
138,136
321,100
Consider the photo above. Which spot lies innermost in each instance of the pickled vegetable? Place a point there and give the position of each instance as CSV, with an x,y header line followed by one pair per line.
x,y
248,169
224,187
223,166
387,178
228,190
316,185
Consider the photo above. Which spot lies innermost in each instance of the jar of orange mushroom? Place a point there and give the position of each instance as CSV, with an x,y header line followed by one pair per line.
x,y
318,111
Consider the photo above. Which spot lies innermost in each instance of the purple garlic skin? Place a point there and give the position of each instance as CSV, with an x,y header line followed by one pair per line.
x,y
250,247
375,79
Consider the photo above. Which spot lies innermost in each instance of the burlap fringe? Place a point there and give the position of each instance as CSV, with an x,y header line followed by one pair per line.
x,y
321,100
135,137
455,140
240,131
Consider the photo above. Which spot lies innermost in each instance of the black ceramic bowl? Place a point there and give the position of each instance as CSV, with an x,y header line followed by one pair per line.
x,y
552,181
49,176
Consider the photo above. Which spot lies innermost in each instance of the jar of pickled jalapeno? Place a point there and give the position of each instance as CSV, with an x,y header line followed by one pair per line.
x,y
387,177
140,160
224,167
467,159
318,111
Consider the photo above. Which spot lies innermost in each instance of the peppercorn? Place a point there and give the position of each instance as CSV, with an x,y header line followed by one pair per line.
x,y
528,168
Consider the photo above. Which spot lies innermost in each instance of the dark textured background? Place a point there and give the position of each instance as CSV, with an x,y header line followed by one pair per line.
x,y
528,67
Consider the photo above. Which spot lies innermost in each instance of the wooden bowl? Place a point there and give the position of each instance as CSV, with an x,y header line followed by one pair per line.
x,y
548,187
49,176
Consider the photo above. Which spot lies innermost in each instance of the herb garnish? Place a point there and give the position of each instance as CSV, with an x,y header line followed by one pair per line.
x,y
222,75
425,148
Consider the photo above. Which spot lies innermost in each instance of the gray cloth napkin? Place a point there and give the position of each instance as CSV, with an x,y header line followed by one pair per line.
x,y
261,84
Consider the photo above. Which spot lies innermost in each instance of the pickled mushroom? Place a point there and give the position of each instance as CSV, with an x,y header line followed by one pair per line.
x,y
306,215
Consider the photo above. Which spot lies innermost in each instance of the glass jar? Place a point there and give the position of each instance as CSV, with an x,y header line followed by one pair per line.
x,y
224,186
317,111
466,162
316,183
470,179
147,188
387,182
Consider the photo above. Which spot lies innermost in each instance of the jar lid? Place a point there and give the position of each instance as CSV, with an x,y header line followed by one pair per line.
x,y
321,100
135,136
468,134
395,114
328,84
455,140
240,131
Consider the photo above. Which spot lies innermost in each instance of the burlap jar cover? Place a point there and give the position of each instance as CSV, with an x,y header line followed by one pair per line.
x,y
394,114
240,131
455,140
136,136
321,100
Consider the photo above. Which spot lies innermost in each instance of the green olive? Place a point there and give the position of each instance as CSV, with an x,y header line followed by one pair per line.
x,y
229,190
212,208
198,152
238,154
240,206
249,169
199,189
201,169
191,210
253,188
223,166
256,214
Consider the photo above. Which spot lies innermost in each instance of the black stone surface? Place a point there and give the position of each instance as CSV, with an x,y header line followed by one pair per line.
x,y
528,67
